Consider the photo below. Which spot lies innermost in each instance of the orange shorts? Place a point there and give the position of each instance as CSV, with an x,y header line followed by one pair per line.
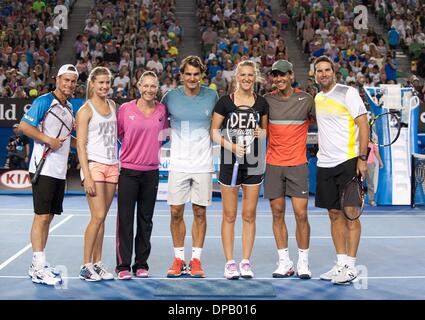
x,y
102,172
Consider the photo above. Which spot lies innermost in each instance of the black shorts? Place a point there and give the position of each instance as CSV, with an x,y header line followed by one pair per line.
x,y
48,195
246,176
330,181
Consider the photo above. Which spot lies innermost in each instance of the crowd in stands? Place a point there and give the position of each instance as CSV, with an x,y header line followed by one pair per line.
x,y
405,20
361,57
28,46
129,38
233,31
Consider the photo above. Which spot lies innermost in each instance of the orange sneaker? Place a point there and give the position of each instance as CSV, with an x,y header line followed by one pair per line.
x,y
196,269
177,269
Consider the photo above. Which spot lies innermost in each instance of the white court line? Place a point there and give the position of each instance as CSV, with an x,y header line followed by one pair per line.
x,y
222,278
365,214
20,252
239,237
268,215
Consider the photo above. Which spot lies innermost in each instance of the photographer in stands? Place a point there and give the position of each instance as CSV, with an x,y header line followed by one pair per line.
x,y
18,150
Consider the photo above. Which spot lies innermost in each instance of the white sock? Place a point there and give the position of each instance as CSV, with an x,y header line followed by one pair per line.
x,y
39,259
230,261
341,259
283,254
196,253
179,253
303,255
350,261
245,261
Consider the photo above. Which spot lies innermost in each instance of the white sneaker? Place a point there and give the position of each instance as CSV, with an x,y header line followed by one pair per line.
x,y
100,269
43,276
246,271
328,276
48,268
231,271
284,269
346,276
87,273
303,270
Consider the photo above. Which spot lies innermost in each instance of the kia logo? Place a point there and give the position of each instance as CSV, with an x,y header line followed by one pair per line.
x,y
17,179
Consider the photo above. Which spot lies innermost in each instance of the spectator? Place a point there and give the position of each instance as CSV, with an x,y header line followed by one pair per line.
x,y
18,150
38,6
122,80
155,65
219,81
390,69
23,65
393,38
421,63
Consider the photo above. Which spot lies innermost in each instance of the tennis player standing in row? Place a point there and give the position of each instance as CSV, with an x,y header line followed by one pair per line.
x,y
290,113
191,165
97,154
141,127
343,133
242,110
48,192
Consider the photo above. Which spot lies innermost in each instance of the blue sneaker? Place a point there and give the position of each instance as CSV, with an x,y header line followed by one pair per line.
x,y
43,276
51,270
87,273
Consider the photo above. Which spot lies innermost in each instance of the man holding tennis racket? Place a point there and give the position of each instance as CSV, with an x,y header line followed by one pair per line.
x,y
191,163
49,122
290,113
343,133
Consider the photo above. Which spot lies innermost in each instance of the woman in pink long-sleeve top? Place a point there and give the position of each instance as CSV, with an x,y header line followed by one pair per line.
x,y
141,127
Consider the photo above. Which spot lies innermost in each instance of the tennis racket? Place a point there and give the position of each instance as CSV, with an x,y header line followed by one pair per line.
x,y
56,119
352,198
389,124
241,125
420,174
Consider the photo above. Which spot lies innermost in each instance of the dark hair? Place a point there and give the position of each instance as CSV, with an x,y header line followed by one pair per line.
x,y
324,59
193,61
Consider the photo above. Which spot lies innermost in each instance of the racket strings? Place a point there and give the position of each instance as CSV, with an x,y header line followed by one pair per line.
x,y
69,128
420,176
387,127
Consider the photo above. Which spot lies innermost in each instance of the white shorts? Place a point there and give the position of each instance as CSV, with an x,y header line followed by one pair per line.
x,y
189,187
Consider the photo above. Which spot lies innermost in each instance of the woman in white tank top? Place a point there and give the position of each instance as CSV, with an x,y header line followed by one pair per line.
x,y
97,153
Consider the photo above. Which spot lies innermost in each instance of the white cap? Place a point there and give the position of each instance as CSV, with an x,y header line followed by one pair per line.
x,y
67,68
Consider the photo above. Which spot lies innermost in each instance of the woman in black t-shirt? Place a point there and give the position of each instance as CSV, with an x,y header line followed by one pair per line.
x,y
242,118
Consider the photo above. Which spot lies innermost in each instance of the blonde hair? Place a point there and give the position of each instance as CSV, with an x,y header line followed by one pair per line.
x,y
247,63
147,74
98,71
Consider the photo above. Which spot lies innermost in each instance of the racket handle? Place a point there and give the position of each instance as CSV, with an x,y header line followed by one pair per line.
x,y
235,174
38,171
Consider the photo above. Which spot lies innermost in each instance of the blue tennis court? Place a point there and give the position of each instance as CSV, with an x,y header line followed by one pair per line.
x,y
390,257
